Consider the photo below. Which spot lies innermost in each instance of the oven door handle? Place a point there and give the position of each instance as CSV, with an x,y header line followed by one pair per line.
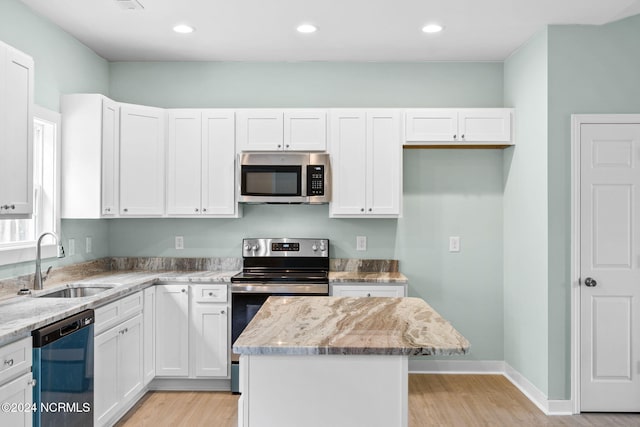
x,y
280,288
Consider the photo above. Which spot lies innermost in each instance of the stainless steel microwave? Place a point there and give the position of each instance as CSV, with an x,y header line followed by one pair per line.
x,y
269,177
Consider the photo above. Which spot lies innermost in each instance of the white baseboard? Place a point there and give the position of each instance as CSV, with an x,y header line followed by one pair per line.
x,y
495,367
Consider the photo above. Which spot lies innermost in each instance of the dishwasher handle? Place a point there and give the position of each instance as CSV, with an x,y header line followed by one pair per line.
x,y
67,329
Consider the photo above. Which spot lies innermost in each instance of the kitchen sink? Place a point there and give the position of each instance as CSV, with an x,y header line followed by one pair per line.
x,y
77,290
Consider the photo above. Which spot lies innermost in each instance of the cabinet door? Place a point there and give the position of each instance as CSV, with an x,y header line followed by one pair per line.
x,y
348,162
218,162
17,392
16,132
485,125
184,162
259,130
431,124
149,347
141,160
384,163
130,353
172,330
106,395
110,148
305,130
209,323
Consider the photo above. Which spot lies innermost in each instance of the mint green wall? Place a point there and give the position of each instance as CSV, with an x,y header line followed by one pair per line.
x,y
307,84
447,192
591,70
62,65
525,214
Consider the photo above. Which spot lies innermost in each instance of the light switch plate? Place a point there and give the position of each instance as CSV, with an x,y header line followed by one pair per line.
x,y
361,243
454,243
179,242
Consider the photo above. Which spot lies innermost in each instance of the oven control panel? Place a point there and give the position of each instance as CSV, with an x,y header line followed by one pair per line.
x,y
285,247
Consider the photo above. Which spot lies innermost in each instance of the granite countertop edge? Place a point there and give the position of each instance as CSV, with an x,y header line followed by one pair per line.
x,y
20,315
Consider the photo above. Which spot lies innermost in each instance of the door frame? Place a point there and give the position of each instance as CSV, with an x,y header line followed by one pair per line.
x,y
576,121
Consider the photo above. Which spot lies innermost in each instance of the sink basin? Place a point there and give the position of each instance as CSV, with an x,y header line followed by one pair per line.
x,y
75,291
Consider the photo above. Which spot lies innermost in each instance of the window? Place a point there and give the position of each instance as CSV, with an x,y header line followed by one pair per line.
x,y
18,236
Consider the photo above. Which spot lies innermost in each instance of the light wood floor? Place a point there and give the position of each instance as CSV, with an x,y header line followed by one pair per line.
x,y
434,400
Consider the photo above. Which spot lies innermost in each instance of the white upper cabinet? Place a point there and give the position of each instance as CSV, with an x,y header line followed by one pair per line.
x,y
218,163
16,132
281,130
201,162
305,130
90,144
184,165
142,158
463,126
366,163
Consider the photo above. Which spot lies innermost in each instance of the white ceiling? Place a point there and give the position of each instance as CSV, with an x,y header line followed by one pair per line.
x,y
349,30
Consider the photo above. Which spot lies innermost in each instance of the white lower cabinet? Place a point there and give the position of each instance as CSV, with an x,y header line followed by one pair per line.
x,y
149,358
191,331
16,384
118,377
367,289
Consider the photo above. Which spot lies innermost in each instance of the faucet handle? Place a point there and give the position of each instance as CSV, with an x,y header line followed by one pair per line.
x,y
45,275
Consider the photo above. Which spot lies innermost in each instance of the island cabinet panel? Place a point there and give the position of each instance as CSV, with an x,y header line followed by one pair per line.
x,y
458,126
366,163
366,390
16,132
149,335
142,160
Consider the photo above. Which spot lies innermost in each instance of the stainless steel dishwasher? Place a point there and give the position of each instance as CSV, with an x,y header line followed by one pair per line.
x,y
63,370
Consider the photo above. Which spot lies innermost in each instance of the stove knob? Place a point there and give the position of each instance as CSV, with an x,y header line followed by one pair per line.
x,y
255,248
323,247
314,247
247,247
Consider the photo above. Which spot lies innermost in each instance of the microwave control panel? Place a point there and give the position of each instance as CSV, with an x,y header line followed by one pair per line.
x,y
315,180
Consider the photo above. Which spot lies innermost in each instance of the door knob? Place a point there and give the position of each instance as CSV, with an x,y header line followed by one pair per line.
x,y
590,282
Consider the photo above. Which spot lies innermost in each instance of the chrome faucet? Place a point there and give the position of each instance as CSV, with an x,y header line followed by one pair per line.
x,y
38,278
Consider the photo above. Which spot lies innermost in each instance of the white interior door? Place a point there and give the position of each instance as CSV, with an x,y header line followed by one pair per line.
x,y
610,267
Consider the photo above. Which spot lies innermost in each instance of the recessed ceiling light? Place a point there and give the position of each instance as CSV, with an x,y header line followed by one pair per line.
x,y
432,28
307,28
183,29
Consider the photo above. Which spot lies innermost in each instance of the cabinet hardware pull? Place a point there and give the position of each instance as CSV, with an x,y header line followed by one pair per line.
x,y
13,206
221,311
370,209
32,382
369,294
210,294
9,362
287,145
362,210
126,210
183,290
455,136
463,136
204,209
196,209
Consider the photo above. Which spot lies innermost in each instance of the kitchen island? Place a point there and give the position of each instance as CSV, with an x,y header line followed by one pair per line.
x,y
336,361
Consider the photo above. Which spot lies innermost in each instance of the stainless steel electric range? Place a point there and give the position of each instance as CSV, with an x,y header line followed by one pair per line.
x,y
281,266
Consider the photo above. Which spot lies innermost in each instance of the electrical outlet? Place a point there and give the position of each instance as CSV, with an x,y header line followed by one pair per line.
x,y
454,243
361,243
89,244
179,242
72,247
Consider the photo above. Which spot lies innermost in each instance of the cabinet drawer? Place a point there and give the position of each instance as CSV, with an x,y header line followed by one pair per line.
x,y
393,291
209,293
111,314
15,358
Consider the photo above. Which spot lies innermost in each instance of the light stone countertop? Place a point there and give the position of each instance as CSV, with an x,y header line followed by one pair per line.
x,y
22,314
347,325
